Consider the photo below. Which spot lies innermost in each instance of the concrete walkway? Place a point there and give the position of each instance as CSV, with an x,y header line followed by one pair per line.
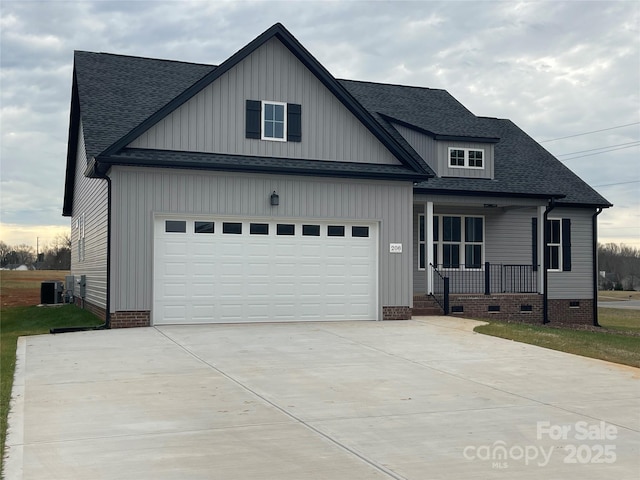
x,y
420,399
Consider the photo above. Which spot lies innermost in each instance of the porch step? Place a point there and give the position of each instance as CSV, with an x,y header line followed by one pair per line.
x,y
425,305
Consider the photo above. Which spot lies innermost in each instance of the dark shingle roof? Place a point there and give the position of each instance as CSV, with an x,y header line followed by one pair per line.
x,y
118,92
246,163
433,110
522,167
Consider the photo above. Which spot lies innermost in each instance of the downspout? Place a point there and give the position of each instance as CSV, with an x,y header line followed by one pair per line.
x,y
545,266
596,274
107,318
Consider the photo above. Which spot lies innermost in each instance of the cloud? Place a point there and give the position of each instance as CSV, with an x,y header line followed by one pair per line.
x,y
554,68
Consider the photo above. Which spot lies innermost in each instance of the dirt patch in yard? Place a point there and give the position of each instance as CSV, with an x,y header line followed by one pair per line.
x,y
22,288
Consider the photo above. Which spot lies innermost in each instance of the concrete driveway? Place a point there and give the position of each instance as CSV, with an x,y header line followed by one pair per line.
x,y
420,399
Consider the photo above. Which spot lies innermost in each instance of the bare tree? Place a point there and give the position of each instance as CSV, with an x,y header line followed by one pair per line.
x,y
4,252
24,254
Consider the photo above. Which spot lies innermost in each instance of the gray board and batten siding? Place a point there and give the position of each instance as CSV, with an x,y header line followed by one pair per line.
x,y
140,194
213,120
436,154
89,205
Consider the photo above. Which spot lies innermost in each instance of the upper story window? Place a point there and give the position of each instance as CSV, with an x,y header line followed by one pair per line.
x,y
466,158
273,121
274,126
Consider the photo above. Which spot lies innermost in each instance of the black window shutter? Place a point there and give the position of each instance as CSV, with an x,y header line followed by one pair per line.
x,y
566,244
294,122
534,244
253,119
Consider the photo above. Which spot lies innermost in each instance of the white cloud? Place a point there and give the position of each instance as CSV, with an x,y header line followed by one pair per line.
x,y
554,68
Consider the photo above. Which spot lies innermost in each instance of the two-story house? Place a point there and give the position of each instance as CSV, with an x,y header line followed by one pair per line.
x,y
265,189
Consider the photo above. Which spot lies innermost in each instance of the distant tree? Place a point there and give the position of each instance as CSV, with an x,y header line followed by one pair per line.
x,y
621,262
4,252
57,256
24,254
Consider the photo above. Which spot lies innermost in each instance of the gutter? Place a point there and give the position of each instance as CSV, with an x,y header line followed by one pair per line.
x,y
107,322
594,235
545,266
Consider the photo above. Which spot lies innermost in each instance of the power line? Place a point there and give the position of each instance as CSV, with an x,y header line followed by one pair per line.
x,y
619,183
635,142
598,153
589,133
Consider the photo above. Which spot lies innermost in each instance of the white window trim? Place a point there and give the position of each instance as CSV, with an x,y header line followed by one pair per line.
x,y
262,120
558,245
466,158
462,243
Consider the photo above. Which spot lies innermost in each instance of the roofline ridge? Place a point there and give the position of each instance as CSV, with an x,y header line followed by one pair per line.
x,y
145,58
417,87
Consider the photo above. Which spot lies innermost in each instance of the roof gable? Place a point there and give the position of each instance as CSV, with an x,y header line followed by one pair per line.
x,y
281,33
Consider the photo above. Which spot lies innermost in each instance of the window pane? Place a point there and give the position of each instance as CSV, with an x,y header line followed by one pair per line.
x,y
554,257
451,229
456,158
359,231
311,230
421,256
286,229
473,256
278,131
435,254
451,256
421,232
203,227
555,231
175,226
473,229
335,230
278,113
435,229
268,129
475,158
230,227
268,111
259,229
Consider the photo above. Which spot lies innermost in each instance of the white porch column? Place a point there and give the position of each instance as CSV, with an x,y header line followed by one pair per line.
x,y
541,248
428,227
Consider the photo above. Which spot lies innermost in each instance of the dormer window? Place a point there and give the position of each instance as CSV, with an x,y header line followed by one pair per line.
x,y
466,158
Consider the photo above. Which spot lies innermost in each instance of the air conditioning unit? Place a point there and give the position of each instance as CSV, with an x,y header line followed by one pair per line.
x,y
51,292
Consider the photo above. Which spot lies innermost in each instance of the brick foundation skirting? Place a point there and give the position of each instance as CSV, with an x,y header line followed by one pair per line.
x,y
577,311
396,313
129,319
525,308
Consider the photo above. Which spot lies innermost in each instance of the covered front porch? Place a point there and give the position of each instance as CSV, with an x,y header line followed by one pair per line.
x,y
480,256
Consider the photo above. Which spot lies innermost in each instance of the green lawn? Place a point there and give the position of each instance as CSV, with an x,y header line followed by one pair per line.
x,y
612,345
619,319
20,321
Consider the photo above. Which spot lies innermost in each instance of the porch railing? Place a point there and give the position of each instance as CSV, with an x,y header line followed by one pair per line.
x,y
489,278
440,289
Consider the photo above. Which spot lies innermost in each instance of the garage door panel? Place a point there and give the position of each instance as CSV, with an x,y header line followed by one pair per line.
x,y
204,278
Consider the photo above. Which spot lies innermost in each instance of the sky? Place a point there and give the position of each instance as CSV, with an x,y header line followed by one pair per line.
x,y
567,73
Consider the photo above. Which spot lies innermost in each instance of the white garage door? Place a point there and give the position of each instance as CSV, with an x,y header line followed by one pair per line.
x,y
212,270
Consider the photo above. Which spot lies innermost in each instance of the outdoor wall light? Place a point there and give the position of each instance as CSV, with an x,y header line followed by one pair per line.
x,y
275,199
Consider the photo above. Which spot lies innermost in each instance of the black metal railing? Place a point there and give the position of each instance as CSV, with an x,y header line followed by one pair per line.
x,y
488,278
440,289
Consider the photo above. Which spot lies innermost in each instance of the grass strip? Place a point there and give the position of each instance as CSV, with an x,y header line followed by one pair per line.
x,y
21,321
607,345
